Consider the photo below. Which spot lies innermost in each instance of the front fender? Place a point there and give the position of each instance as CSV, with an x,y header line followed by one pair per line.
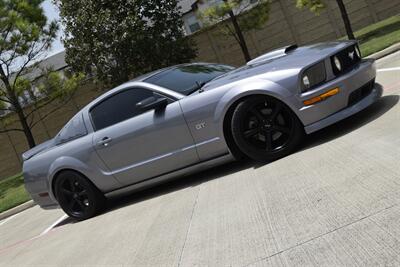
x,y
260,87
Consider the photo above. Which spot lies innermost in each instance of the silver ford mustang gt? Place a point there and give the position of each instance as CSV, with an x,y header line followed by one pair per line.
x,y
194,116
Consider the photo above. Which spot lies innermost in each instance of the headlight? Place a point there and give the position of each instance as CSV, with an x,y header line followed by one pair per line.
x,y
313,76
358,52
337,62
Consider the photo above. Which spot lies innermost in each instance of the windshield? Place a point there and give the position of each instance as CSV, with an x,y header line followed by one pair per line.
x,y
185,79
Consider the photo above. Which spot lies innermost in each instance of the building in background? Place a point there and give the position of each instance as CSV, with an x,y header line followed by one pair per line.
x,y
54,62
191,8
190,21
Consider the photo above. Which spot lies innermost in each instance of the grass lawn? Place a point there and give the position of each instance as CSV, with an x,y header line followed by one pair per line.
x,y
378,36
12,192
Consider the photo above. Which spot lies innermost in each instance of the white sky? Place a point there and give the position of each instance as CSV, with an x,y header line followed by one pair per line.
x,y
52,13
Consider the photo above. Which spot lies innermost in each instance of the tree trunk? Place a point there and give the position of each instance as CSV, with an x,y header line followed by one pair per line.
x,y
242,41
20,112
346,20
27,130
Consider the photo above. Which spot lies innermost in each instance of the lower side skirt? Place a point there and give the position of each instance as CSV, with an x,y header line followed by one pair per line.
x,y
170,176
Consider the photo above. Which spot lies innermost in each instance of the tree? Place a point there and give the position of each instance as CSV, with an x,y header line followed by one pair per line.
x,y
244,15
49,91
25,37
317,5
118,39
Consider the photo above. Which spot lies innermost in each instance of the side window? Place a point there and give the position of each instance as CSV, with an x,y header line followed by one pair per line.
x,y
118,108
75,128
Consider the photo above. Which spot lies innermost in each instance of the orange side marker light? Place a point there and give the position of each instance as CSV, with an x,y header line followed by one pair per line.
x,y
322,97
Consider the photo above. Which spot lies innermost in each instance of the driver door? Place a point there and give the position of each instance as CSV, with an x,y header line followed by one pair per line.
x,y
138,144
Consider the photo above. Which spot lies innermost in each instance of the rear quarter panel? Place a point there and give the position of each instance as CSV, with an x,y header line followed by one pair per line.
x,y
79,155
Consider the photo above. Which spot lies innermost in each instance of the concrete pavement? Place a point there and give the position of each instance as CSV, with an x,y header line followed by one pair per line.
x,y
334,202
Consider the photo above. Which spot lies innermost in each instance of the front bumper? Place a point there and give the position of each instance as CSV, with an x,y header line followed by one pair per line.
x,y
375,94
335,108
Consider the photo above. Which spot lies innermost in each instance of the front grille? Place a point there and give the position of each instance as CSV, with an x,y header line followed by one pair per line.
x,y
348,59
361,93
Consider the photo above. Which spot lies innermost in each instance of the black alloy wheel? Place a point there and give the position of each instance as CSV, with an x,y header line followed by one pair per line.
x,y
77,196
265,129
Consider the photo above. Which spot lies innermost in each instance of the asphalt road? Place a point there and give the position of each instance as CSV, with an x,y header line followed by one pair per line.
x,y
334,202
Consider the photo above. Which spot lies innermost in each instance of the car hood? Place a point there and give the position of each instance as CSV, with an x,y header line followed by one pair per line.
x,y
279,65
37,149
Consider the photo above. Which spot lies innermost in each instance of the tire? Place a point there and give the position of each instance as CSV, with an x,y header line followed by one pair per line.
x,y
265,129
77,196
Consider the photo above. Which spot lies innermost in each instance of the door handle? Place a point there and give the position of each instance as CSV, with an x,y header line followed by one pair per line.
x,y
105,141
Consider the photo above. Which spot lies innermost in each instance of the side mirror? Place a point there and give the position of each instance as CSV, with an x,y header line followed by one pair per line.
x,y
152,102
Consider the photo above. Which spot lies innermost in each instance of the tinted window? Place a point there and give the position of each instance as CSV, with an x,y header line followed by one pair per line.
x,y
73,129
184,79
119,107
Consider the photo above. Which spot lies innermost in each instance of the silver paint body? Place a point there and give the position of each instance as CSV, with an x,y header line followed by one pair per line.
x,y
189,136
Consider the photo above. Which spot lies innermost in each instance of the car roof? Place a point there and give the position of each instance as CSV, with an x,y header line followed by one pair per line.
x,y
141,81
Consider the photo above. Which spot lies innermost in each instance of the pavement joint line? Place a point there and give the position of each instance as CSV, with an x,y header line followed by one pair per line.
x,y
321,235
48,229
389,69
190,225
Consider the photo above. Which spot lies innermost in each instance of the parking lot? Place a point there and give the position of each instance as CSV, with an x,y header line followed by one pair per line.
x,y
334,202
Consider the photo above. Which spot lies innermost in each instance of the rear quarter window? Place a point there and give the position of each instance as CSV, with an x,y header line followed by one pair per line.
x,y
74,129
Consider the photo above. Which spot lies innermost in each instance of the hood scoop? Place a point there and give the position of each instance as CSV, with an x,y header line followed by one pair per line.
x,y
281,52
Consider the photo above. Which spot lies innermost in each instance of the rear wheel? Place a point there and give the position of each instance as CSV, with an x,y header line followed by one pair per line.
x,y
77,196
265,129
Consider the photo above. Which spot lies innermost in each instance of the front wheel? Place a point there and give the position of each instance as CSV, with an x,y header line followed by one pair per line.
x,y
265,129
77,196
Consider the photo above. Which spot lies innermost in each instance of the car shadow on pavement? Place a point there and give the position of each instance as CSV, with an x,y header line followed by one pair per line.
x,y
325,135
183,182
173,185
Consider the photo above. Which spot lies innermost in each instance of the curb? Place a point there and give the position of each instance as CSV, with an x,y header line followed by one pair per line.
x,y
385,52
17,209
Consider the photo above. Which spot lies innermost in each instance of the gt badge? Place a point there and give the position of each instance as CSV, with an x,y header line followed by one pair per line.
x,y
200,126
